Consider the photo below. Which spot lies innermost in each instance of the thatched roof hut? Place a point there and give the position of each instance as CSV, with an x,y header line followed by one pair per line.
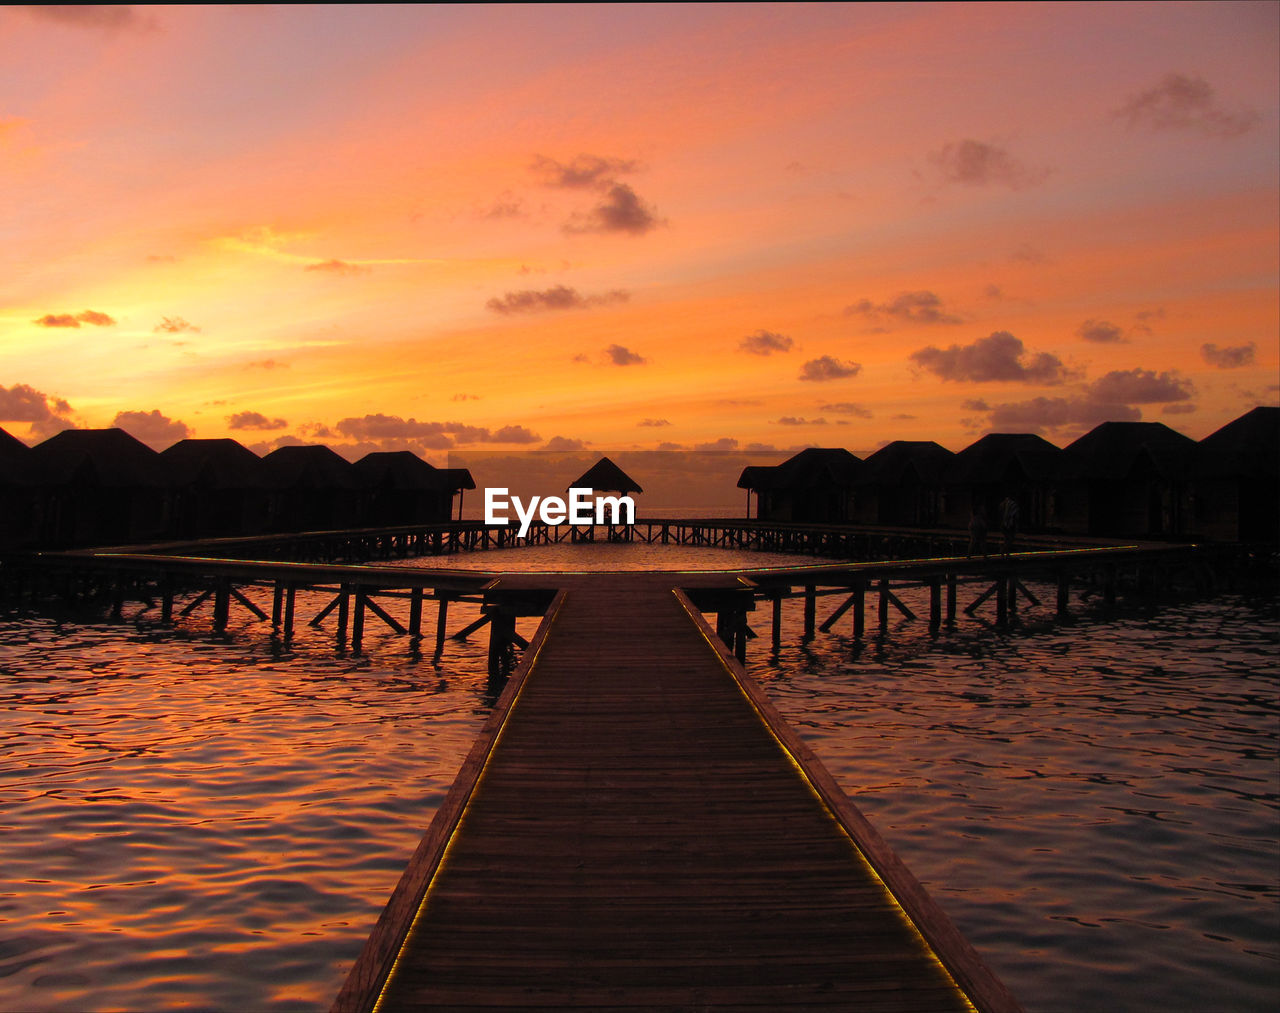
x,y
605,476
814,486
214,464
107,458
901,483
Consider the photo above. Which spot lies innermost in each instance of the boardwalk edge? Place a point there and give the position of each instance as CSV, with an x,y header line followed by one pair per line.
x,y
368,975
965,965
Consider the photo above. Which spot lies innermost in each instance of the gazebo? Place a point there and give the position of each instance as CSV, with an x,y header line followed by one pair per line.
x,y
605,476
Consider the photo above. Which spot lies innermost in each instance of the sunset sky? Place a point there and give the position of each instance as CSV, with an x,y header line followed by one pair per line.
x,y
757,226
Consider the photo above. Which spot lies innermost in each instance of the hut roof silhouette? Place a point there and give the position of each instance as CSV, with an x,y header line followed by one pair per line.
x,y
458,478
606,476
308,467
214,464
894,462
109,458
1109,451
400,469
812,468
15,460
990,458
1247,447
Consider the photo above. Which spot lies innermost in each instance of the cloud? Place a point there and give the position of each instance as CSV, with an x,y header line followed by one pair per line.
x,y
976,163
152,428
584,172
561,297
999,357
176,325
94,317
1185,103
254,420
23,403
506,206
266,364
620,211
391,432
1101,332
792,420
1179,408
652,423
108,17
1042,414
765,343
565,443
724,444
1141,386
619,355
920,307
335,266
827,368
1231,357
847,408
514,434
465,397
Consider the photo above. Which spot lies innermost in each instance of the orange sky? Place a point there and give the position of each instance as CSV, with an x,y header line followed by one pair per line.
x,y
490,227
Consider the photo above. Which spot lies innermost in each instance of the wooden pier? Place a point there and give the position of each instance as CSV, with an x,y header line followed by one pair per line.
x,y
636,828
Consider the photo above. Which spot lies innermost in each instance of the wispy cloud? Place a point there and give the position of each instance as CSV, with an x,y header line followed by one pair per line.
x,y
561,297
919,307
1180,102
584,172
340,267
978,163
1231,357
94,317
176,325
764,342
1101,332
254,420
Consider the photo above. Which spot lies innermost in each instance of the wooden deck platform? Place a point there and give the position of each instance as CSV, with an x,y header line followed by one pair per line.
x,y
636,828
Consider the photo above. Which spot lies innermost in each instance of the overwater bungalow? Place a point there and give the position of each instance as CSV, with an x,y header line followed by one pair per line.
x,y
220,489
1021,465
1128,480
312,489
399,487
98,487
16,513
901,484
816,486
1236,484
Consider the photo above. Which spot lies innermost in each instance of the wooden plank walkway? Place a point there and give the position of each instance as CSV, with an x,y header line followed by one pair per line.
x,y
632,833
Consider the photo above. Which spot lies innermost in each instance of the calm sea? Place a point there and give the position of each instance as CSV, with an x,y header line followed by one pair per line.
x,y
215,823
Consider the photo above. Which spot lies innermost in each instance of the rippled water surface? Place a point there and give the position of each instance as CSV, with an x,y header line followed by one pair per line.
x,y
193,822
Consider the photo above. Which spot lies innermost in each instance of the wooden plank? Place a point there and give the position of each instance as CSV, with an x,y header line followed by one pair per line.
x,y
635,835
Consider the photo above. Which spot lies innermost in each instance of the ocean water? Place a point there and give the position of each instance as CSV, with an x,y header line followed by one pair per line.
x,y
189,821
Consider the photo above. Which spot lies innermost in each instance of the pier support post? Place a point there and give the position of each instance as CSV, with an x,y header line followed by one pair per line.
x,y
884,605
935,602
810,610
951,597
166,600
859,609
344,612
290,593
777,621
1064,592
221,606
357,622
441,617
415,615
277,604
502,630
